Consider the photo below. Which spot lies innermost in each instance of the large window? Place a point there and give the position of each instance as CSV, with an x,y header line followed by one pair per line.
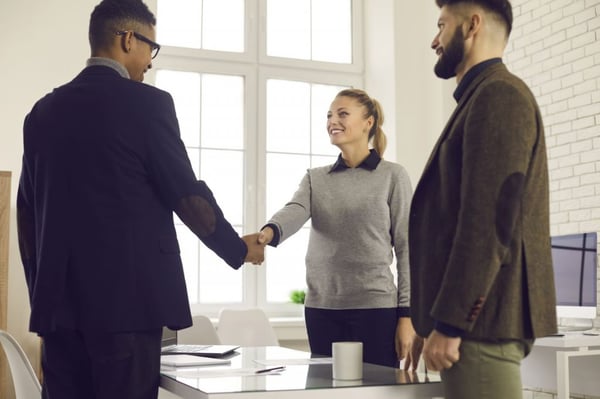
x,y
252,83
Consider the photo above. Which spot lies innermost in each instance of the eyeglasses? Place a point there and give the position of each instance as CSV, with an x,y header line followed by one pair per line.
x,y
154,47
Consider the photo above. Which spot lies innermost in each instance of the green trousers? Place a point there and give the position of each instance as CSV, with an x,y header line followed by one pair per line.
x,y
487,370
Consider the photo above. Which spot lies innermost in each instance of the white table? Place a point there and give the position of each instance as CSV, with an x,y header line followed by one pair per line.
x,y
298,380
551,357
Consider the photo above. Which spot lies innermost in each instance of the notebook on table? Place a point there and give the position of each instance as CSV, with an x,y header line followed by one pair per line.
x,y
171,347
190,361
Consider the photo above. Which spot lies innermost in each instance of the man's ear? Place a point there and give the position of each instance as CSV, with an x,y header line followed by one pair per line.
x,y
126,41
474,24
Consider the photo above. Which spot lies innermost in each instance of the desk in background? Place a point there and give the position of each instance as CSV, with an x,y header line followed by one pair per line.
x,y
564,364
296,381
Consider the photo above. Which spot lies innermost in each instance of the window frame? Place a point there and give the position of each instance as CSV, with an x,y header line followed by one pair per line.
x,y
357,65
256,68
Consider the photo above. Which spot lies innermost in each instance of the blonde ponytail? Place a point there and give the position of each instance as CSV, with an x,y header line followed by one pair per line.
x,y
379,138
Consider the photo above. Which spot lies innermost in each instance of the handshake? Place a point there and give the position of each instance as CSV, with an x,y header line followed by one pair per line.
x,y
256,243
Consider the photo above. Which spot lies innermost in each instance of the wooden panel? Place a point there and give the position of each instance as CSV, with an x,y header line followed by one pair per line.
x,y
4,222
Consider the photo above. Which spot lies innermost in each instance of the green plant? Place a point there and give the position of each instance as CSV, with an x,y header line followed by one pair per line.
x,y
297,296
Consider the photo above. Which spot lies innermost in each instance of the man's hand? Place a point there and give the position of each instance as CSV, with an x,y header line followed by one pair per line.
x,y
440,351
256,250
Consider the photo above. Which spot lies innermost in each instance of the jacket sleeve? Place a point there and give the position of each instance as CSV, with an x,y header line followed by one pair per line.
x,y
26,228
203,216
176,183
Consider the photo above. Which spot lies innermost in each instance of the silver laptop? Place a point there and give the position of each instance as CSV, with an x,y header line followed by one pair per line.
x,y
169,346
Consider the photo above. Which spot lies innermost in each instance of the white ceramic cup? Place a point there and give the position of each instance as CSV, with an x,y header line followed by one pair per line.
x,y
347,360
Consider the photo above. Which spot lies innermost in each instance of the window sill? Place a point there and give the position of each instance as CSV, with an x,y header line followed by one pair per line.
x,y
286,328
289,328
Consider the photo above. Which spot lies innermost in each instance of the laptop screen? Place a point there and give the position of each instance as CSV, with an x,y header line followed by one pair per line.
x,y
169,345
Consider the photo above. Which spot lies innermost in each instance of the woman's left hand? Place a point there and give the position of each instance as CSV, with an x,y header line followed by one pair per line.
x,y
405,336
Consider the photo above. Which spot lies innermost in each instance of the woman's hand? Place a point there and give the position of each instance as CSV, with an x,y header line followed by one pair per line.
x,y
405,335
265,236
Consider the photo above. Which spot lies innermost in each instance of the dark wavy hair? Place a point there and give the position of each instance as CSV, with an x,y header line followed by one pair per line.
x,y
502,8
113,15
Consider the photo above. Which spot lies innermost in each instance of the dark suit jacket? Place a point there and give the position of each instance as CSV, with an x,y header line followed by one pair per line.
x,y
479,225
103,170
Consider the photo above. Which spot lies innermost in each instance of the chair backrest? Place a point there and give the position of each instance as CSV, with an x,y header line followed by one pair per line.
x,y
24,379
201,332
246,327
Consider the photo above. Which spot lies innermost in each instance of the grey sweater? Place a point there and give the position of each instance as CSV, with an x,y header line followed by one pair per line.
x,y
358,216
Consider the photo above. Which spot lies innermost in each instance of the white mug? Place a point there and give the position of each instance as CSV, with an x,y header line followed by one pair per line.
x,y
347,360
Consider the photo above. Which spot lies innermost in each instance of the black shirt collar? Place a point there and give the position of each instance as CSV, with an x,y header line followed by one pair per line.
x,y
370,162
471,75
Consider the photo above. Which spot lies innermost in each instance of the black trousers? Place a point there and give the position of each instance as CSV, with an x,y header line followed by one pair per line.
x,y
375,328
93,365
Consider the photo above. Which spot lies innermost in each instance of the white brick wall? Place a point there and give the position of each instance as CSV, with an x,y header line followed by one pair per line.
x,y
555,48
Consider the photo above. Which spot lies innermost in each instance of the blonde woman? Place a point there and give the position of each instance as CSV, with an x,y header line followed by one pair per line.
x,y
359,209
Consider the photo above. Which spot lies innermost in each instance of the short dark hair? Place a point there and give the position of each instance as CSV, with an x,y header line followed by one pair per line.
x,y
112,15
502,8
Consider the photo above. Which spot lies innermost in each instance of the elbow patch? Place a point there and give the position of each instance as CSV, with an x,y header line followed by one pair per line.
x,y
198,214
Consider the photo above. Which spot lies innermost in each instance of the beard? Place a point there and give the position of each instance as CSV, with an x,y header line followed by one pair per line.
x,y
452,55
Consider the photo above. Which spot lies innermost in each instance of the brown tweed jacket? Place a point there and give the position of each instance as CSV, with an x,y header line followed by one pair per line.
x,y
479,224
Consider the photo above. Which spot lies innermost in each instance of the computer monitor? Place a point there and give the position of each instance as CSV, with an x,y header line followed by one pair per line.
x,y
575,262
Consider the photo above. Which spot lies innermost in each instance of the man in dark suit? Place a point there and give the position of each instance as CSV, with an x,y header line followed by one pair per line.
x,y
103,170
481,269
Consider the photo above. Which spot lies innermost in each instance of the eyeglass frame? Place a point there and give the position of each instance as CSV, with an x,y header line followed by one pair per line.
x,y
153,45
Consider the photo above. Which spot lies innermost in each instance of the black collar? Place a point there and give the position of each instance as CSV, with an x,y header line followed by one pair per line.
x,y
370,162
471,75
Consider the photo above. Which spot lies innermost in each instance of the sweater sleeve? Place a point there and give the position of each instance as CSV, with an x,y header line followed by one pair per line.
x,y
399,202
295,213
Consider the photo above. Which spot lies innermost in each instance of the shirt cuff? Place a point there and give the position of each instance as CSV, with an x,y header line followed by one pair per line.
x,y
276,237
403,311
448,330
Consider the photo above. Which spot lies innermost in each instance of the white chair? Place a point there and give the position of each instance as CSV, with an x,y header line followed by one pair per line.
x,y
201,332
246,327
24,379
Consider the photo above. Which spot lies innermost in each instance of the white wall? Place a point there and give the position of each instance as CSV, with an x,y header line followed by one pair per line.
x,y
379,63
399,73
424,102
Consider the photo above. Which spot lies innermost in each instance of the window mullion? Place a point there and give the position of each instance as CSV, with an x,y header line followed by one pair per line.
x,y
256,69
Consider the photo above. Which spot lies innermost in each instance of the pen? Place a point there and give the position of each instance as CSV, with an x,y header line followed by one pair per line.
x,y
276,368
